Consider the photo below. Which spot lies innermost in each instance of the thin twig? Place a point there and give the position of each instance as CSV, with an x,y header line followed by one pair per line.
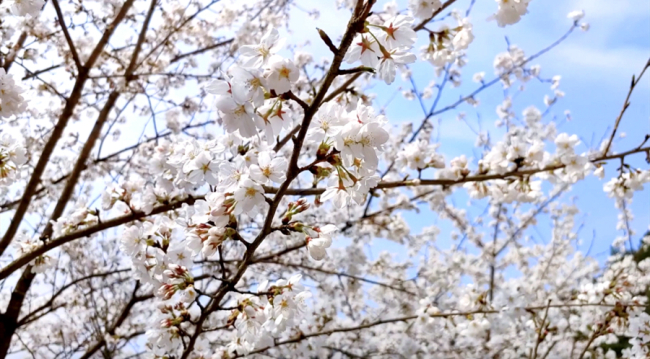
x,y
68,39
626,104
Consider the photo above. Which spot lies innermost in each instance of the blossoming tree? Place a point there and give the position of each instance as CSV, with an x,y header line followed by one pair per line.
x,y
212,234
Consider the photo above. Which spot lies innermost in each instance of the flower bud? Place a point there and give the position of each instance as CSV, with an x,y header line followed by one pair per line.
x,y
323,149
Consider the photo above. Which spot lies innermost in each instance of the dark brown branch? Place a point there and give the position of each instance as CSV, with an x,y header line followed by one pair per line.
x,y
68,39
356,70
80,165
540,331
180,26
38,72
120,319
50,86
344,87
494,253
286,139
424,22
302,337
11,57
9,205
451,182
18,263
59,241
9,319
280,253
297,99
13,266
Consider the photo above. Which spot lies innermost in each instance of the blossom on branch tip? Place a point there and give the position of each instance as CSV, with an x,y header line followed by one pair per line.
x,y
423,9
248,195
12,158
510,11
269,169
27,7
11,101
398,32
237,116
255,56
281,74
363,48
392,59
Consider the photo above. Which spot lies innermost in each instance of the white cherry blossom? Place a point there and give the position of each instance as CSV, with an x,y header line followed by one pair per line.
x,y
11,101
27,7
248,196
389,62
268,169
281,74
423,9
255,56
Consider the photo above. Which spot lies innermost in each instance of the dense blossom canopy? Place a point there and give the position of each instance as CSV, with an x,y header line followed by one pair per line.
x,y
239,222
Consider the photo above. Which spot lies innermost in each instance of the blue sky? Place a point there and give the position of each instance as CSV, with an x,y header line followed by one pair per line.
x,y
596,68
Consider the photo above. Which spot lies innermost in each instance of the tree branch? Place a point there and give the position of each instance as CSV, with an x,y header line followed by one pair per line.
x,y
626,104
355,25
200,51
68,39
57,131
424,22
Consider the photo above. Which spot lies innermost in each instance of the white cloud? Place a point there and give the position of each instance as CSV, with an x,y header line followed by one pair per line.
x,y
598,63
607,11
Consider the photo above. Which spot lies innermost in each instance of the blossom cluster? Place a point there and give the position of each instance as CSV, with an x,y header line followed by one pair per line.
x,y
11,101
384,46
423,9
624,186
250,99
510,11
26,7
447,45
76,220
263,316
154,248
27,245
12,157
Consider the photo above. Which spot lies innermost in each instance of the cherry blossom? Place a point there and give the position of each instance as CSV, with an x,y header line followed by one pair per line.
x,y
576,15
41,263
364,49
27,7
268,170
389,62
11,101
423,9
281,74
12,157
248,85
510,11
255,56
248,196
238,116
398,32
328,122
